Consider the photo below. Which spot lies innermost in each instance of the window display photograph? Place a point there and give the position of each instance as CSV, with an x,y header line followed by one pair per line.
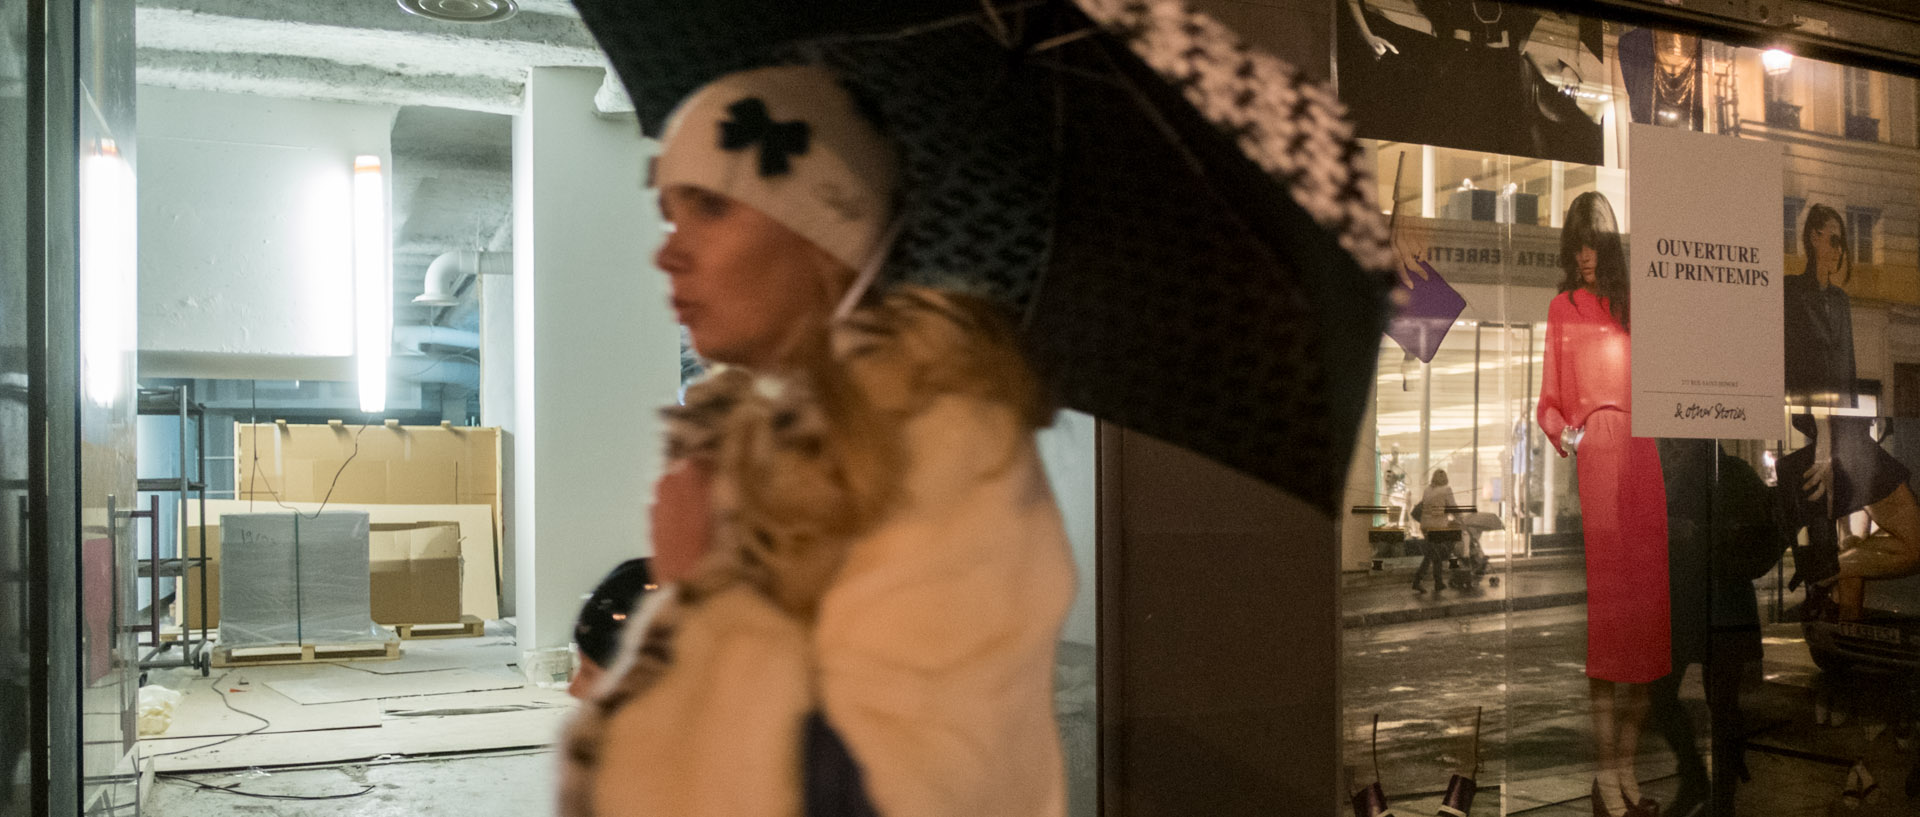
x,y
1711,618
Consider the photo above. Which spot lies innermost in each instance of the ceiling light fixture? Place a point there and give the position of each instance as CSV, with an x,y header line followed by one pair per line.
x,y
462,11
372,283
1776,61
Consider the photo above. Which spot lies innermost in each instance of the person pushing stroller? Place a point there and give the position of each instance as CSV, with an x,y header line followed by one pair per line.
x,y
1438,530
1444,531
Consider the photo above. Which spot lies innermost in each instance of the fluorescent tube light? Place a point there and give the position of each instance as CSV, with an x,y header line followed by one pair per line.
x,y
372,283
107,262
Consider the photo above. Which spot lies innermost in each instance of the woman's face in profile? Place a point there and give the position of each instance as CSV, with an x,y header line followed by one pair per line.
x,y
1826,251
740,280
1587,261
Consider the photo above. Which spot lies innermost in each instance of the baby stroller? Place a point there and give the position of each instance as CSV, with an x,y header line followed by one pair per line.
x,y
1468,572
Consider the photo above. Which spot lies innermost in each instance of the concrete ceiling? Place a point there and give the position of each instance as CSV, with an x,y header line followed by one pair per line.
x,y
457,85
452,190
355,51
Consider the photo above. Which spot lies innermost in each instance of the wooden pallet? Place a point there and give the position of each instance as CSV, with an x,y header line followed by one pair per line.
x,y
171,632
466,627
305,653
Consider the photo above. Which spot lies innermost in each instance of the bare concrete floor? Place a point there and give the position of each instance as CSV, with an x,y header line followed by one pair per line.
x,y
515,784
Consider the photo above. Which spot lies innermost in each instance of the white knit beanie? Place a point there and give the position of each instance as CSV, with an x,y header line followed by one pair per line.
x,y
792,143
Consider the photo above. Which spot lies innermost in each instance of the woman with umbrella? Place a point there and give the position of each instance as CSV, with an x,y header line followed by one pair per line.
x,y
1623,506
889,685
919,675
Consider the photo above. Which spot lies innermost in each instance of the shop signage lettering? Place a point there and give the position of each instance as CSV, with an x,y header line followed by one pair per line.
x,y
1492,256
1717,411
1704,274
1685,260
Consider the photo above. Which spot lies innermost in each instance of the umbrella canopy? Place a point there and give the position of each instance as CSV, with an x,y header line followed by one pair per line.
x,y
1184,223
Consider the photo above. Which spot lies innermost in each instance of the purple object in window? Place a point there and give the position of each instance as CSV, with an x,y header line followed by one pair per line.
x,y
1428,309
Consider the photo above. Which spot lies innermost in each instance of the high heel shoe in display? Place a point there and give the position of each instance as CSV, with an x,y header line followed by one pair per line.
x,y
1372,800
1600,805
1861,787
1458,801
1644,807
1605,784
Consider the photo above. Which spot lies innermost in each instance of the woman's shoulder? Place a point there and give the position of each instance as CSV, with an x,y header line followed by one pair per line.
x,y
1578,302
916,344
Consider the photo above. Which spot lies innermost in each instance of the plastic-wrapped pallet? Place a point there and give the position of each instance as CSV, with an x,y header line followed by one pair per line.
x,y
289,578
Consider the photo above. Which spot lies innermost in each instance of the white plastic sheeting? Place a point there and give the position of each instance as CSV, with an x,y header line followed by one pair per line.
x,y
293,578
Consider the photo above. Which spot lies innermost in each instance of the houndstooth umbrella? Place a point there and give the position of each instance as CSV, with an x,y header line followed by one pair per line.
x,y
1184,223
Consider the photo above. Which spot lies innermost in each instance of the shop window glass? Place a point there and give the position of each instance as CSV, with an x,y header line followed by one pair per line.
x,y
1775,678
16,653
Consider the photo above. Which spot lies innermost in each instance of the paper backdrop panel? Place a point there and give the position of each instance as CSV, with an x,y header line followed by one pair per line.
x,y
1706,278
351,466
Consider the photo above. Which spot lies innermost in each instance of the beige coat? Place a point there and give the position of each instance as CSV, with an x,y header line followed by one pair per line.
x,y
933,656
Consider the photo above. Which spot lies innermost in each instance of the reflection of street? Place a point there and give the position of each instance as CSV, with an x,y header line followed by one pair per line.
x,y
1425,678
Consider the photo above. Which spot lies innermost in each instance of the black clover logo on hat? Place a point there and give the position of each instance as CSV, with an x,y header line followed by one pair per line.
x,y
750,123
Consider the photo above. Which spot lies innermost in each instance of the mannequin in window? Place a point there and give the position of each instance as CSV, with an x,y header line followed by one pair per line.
x,y
1585,396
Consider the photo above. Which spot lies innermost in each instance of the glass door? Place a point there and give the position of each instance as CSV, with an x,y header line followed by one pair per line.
x,y
17,680
105,446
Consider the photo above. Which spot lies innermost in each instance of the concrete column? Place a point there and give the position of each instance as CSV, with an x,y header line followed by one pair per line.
x,y
1219,640
496,409
595,352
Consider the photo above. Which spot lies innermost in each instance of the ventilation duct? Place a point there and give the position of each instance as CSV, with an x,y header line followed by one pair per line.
x,y
424,369
412,338
446,274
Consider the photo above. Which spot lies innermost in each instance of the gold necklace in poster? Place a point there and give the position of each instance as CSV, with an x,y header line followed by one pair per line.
x,y
1675,87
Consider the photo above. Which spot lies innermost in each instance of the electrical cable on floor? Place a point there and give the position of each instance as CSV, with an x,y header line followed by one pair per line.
x,y
345,665
218,687
233,788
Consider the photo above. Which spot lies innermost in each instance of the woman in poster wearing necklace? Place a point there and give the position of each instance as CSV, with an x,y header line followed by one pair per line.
x,y
1585,398
1844,469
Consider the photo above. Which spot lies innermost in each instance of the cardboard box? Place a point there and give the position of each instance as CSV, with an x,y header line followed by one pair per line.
x,y
187,606
377,465
415,572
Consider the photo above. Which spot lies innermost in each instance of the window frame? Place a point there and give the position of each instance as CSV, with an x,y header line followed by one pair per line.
x,y
1861,222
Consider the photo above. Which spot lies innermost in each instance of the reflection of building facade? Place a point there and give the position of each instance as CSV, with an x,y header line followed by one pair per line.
x,y
1852,142
1851,139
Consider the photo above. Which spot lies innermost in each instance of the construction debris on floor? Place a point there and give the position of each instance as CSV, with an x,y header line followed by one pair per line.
x,y
438,697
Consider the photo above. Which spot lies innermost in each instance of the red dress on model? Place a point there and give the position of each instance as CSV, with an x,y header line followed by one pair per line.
x,y
1623,498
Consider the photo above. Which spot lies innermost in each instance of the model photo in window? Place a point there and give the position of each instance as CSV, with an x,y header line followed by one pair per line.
x,y
1585,403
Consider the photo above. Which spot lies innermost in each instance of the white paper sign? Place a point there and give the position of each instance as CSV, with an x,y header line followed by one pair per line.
x,y
1705,272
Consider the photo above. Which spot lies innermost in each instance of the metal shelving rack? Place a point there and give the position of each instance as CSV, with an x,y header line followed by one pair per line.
x,y
194,647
